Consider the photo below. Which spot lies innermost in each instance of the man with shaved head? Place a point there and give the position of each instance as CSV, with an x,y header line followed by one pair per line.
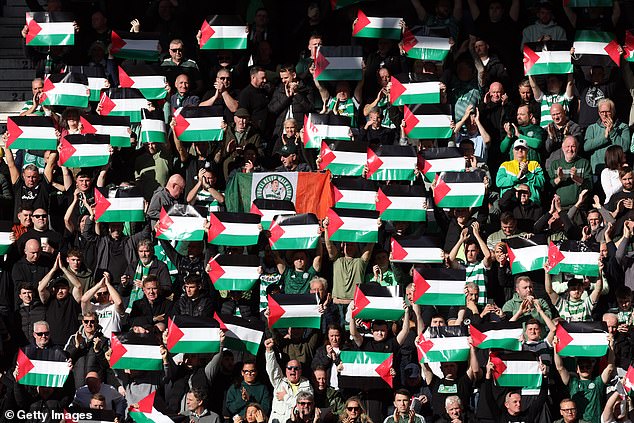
x,y
32,267
166,197
495,111
113,399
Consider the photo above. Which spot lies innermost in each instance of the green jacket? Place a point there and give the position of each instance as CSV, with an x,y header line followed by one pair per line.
x,y
567,189
511,306
534,136
258,392
596,143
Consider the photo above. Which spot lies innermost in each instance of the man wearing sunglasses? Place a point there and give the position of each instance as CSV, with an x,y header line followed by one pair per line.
x,y
86,347
50,240
42,348
286,386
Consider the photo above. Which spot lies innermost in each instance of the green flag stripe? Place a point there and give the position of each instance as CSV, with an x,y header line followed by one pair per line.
x,y
43,379
147,55
430,132
240,345
299,322
461,201
390,33
34,144
307,243
137,363
122,216
225,44
512,344
380,313
340,75
196,347
53,40
524,380
202,135
343,235
231,284
66,100
344,169
235,240
427,98
441,299
393,175
446,356
404,215
547,68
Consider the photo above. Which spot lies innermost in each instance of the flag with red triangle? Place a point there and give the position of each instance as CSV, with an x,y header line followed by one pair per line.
x,y
365,371
441,159
376,27
373,301
391,163
36,372
153,128
233,229
181,222
459,189
192,335
241,334
425,47
49,29
526,255
354,193
122,102
294,232
135,351
87,150
96,76
444,344
416,249
220,32
146,412
145,78
343,158
294,311
118,127
574,257
198,123
135,45
352,225
404,203
439,287
341,63
628,380
596,48
550,57
414,93
233,272
516,369
318,127
505,335
268,209
581,339
629,46
428,121
119,204
70,90
31,133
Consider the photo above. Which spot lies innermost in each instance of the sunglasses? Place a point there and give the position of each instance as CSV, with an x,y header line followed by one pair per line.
x,y
353,408
90,322
176,50
42,333
102,293
224,78
304,403
249,372
293,368
40,216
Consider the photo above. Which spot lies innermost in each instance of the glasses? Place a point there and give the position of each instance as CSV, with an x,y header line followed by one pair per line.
x,y
90,322
293,368
568,410
102,293
224,78
249,372
40,216
353,408
305,403
176,50
42,333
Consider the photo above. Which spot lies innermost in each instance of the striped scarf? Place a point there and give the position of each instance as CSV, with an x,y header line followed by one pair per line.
x,y
140,272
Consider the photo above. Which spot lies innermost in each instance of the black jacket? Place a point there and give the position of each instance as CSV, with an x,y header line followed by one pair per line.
x,y
301,102
143,312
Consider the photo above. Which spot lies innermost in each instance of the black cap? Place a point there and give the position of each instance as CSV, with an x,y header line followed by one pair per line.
x,y
287,149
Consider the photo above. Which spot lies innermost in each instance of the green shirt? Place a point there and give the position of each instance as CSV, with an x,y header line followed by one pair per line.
x,y
588,395
297,282
346,274
567,189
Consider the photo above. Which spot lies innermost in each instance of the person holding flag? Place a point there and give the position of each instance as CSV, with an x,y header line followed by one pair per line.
x,y
574,308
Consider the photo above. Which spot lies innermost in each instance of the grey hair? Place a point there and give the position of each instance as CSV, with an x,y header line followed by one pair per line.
x,y
41,323
321,280
305,395
453,399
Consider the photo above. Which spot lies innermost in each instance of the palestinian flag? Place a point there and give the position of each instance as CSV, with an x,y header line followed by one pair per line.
x,y
32,372
391,163
404,203
525,255
444,344
503,335
120,204
516,369
294,311
581,339
309,191
459,190
88,150
195,335
6,230
629,46
31,133
340,4
342,63
354,193
96,77
442,159
365,370
416,249
427,121
414,93
144,78
570,257
373,301
594,48
198,123
628,380
352,225
321,127
551,57
69,90
376,27
146,413
123,102
241,334
344,158
439,287
118,127
181,223
49,29
268,209
297,232
234,272
135,45
233,229
588,3
135,352
424,47
153,128
223,33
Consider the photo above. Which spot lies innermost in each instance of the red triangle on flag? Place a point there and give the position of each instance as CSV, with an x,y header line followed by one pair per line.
x,y
66,151
398,252
327,156
215,270
255,210
24,365
629,43
555,256
383,202
124,79
530,58
206,33
477,337
628,380
275,311
427,165
34,30
421,286
101,204
396,89
14,132
321,63
383,370
181,124
499,367
511,255
410,119
441,190
276,232
360,302
612,49
174,334
336,194
215,227
563,338
107,105
361,22
423,346
118,349
164,223
147,404
374,162
86,127
334,222
116,43
310,131
217,318
409,40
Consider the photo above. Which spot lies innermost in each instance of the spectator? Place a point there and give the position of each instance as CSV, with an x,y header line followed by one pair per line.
x,y
255,98
532,134
183,96
545,28
614,161
524,295
571,174
557,131
249,390
196,410
165,198
290,99
520,170
608,130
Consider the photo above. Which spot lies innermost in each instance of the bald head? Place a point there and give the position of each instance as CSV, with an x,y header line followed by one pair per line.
x,y
32,250
496,91
558,114
175,185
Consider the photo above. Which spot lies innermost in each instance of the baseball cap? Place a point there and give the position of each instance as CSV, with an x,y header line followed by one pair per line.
x,y
520,143
287,149
242,113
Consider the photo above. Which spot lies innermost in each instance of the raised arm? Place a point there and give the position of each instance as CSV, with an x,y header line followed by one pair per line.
x,y
331,248
559,364
598,285
473,372
537,92
77,290
114,295
319,254
183,154
402,335
606,374
554,297
354,332
42,286
279,263
8,157
570,86
85,299
68,216
454,251
420,10
488,257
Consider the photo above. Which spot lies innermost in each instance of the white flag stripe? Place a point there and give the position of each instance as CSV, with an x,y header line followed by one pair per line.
x,y
97,83
200,334
246,334
131,104
146,45
452,163
360,369
590,47
528,254
468,188
576,257
229,31
434,121
422,88
450,343
426,252
521,367
69,88
333,131
53,28
301,231
132,203
383,23
244,229
186,224
387,303
91,150
113,131
206,123
37,132
49,367
349,158
240,272
503,334
358,224
395,162
445,287
588,339
269,215
358,197
344,63
300,310
151,352
153,125
408,203
4,238
148,81
435,43
554,56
